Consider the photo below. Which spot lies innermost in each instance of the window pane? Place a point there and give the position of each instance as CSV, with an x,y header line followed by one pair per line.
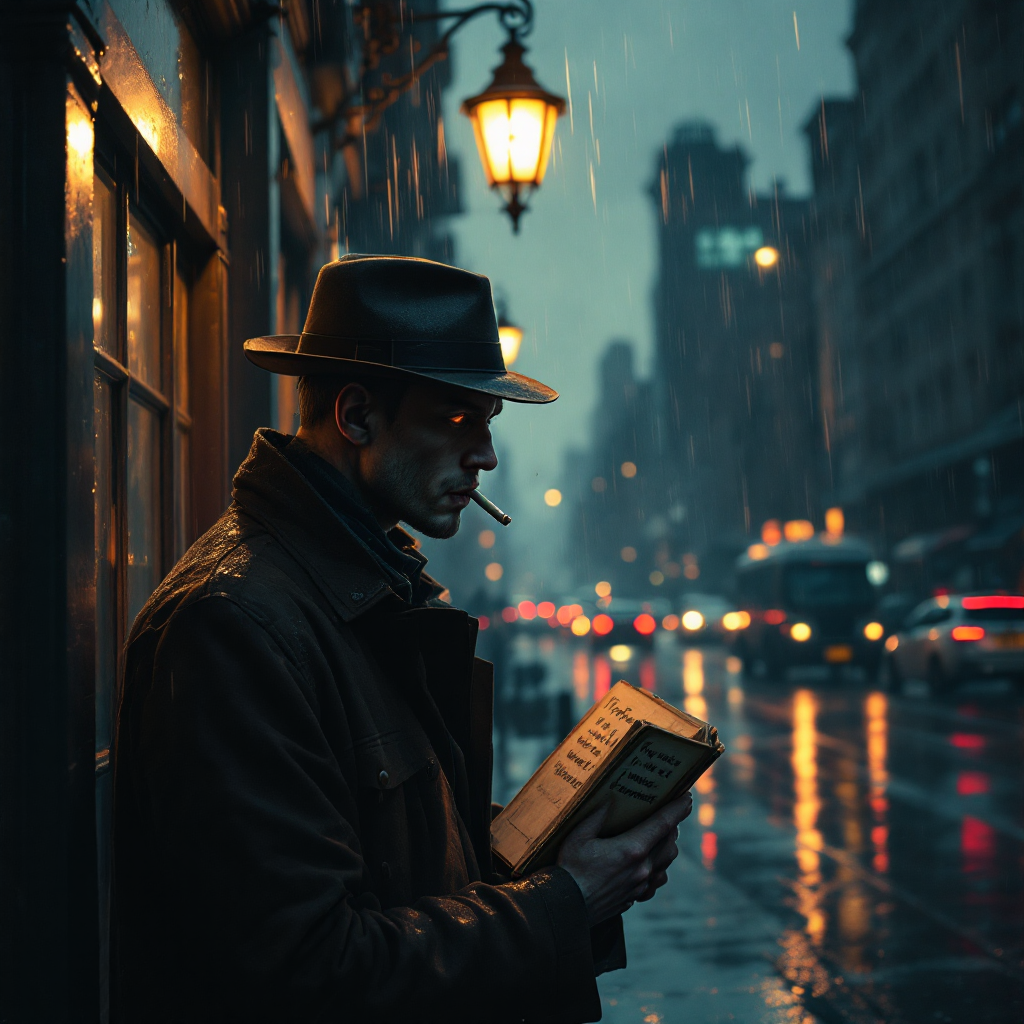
x,y
143,506
143,304
180,342
104,266
106,564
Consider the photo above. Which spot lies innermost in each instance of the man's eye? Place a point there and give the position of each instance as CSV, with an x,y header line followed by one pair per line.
x,y
458,420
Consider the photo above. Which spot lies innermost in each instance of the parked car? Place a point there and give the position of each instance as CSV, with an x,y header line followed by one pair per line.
x,y
633,623
954,637
807,603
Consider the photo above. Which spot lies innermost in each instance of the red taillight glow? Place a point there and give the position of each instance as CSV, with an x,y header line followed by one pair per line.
x,y
968,633
509,614
967,741
546,609
995,601
644,624
527,610
484,621
774,617
602,625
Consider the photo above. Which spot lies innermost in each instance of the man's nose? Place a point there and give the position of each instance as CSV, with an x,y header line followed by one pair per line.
x,y
481,457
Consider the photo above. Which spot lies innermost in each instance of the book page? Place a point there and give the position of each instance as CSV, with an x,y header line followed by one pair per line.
x,y
562,776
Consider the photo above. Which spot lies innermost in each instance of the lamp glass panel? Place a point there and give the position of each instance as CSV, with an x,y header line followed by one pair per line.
x,y
526,138
493,136
551,117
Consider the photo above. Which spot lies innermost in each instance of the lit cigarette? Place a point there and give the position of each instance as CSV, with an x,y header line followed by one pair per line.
x,y
490,508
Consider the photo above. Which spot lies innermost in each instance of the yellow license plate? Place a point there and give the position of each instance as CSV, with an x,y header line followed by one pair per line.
x,y
1012,640
838,654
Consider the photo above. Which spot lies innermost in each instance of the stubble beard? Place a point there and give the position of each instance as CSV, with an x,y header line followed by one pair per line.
x,y
406,489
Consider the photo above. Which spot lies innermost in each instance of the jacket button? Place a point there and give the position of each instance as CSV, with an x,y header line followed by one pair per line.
x,y
383,779
432,769
385,869
356,595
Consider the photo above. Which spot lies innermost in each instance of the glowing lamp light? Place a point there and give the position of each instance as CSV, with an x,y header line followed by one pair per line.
x,y
645,624
797,530
602,625
628,553
766,257
546,609
580,625
800,632
514,124
771,532
756,552
620,652
486,538
775,616
603,589
692,620
732,621
963,633
877,573
527,610
494,571
874,631
670,622
552,497
511,337
628,470
892,643
835,522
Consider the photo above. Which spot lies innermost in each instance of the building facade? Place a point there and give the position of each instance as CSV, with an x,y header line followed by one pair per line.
x,y
735,378
919,276
169,185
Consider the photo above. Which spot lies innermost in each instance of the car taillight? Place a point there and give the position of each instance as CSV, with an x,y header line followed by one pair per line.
x,y
995,601
968,633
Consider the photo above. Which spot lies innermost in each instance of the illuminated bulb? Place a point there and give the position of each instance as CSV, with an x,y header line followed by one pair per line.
x,y
511,337
874,630
552,497
800,632
603,589
692,620
620,652
494,571
580,625
766,257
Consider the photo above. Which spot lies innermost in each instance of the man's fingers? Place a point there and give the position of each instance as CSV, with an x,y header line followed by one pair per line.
x,y
649,833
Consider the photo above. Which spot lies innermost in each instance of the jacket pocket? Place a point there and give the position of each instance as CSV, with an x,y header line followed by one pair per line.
x,y
386,761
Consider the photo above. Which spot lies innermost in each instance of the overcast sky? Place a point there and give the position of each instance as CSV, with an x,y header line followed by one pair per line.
x,y
581,270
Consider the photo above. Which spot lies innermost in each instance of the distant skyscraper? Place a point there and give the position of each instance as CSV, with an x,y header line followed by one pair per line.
x,y
735,369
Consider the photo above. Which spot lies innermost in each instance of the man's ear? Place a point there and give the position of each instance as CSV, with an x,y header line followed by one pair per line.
x,y
353,414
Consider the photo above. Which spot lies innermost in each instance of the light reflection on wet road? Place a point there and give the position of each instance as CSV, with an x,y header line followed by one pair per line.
x,y
854,856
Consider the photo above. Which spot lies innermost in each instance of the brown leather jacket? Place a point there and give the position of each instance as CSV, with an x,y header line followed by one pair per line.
x,y
302,795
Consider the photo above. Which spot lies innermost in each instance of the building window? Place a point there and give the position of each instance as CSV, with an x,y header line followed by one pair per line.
x,y
141,445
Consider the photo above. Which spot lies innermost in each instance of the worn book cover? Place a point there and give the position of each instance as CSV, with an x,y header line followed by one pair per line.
x,y
631,751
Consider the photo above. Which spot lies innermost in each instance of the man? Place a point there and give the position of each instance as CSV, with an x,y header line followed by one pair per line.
x,y
303,761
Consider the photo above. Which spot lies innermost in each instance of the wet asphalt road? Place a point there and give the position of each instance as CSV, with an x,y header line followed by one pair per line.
x,y
854,856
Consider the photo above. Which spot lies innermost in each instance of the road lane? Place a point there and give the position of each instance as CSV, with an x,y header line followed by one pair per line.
x,y
855,856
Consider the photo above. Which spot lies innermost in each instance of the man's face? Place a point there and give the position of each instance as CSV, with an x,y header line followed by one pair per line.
x,y
420,468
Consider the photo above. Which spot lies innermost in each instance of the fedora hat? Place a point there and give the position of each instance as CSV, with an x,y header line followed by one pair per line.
x,y
399,316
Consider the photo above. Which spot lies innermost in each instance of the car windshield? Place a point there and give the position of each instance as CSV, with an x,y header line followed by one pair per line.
x,y
994,614
827,585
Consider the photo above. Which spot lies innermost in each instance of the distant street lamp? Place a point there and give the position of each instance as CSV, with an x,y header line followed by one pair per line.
x,y
510,336
514,123
766,257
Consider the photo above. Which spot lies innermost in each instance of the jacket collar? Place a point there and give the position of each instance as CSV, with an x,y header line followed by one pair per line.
x,y
270,489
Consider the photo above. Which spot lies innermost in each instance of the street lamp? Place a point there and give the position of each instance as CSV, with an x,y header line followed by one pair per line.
x,y
514,124
513,118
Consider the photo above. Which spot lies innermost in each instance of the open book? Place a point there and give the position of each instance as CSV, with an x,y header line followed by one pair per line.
x,y
631,750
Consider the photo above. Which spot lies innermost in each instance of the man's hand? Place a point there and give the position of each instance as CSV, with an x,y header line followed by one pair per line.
x,y
614,873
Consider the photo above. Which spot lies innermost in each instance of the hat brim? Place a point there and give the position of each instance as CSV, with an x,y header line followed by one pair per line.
x,y
277,354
